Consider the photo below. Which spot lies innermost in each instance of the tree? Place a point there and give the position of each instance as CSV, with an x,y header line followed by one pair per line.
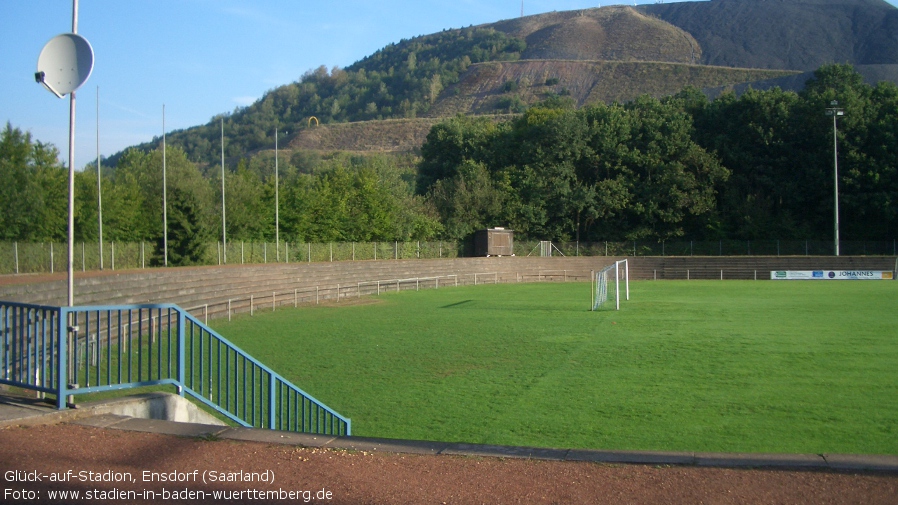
x,y
33,189
188,235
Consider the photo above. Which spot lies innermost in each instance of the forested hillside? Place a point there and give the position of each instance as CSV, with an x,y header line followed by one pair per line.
x,y
756,166
654,49
651,148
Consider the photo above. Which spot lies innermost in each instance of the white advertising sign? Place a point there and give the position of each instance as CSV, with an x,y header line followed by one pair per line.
x,y
830,275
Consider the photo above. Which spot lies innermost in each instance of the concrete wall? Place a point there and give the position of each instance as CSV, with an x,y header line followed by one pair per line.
x,y
162,406
209,291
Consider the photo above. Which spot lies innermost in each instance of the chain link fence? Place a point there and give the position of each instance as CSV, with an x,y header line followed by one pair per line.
x,y
30,257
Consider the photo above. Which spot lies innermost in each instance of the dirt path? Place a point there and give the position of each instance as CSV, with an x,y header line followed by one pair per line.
x,y
341,477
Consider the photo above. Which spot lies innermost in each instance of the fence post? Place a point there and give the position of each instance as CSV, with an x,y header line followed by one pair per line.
x,y
51,257
250,304
113,255
182,323
16,247
272,407
62,359
142,263
229,309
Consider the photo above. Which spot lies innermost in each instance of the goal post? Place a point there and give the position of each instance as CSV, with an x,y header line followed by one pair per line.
x,y
606,285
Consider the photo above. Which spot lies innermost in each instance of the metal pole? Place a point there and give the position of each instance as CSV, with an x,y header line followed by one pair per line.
x,y
835,112
164,196
277,226
99,187
224,233
836,181
71,224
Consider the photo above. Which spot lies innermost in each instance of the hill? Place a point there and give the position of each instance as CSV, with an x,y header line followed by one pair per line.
x,y
614,33
787,34
593,55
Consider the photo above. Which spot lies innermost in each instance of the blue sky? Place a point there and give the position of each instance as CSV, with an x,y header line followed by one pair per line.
x,y
203,57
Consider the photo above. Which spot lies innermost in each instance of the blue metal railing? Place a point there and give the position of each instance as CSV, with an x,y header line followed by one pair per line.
x,y
77,350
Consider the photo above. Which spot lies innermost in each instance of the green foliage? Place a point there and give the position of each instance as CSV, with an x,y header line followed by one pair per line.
x,y
603,172
399,81
755,166
33,189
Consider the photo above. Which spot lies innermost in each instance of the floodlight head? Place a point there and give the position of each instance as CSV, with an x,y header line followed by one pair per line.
x,y
65,63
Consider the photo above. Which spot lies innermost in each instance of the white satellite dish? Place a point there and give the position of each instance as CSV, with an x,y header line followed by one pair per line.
x,y
65,63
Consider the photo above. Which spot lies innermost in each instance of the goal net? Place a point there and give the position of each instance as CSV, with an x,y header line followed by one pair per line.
x,y
606,286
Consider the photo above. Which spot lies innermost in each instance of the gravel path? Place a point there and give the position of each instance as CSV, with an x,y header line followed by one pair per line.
x,y
97,455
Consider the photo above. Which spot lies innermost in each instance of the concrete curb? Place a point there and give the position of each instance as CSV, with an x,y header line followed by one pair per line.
x,y
827,462
18,411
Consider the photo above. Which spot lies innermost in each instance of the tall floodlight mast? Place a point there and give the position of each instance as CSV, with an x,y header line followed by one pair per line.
x,y
164,195
277,226
224,232
835,112
99,185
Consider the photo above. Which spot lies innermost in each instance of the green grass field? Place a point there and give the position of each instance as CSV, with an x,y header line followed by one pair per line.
x,y
743,366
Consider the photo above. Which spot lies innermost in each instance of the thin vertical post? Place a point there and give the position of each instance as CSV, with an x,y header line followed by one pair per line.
x,y
272,405
836,181
627,273
62,379
224,222
182,323
164,195
71,204
277,226
99,188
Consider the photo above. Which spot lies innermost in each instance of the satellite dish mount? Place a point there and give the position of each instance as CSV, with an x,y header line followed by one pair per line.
x,y
65,63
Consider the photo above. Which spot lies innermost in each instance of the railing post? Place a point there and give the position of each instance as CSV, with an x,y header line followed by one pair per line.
x,y
272,407
62,363
182,349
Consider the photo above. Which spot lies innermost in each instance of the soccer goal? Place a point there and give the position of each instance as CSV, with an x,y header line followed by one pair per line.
x,y
606,286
